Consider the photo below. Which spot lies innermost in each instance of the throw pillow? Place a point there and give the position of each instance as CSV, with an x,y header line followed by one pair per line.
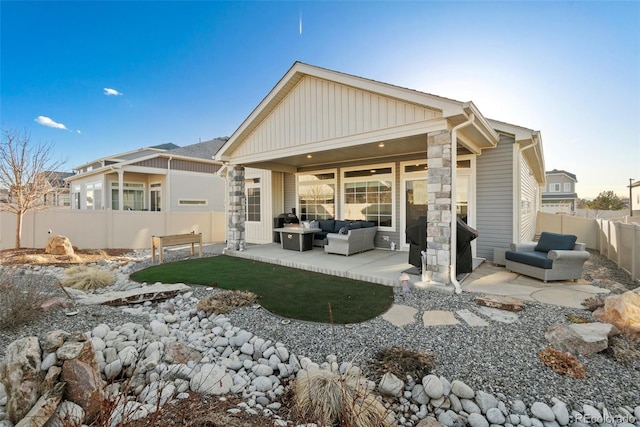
x,y
550,241
314,224
344,230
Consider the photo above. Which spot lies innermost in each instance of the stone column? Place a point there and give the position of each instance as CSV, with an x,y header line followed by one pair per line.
x,y
439,215
236,208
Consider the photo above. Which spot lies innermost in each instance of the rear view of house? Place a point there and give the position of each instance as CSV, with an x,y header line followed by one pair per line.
x,y
331,145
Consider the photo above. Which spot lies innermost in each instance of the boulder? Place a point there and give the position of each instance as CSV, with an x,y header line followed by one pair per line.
x,y
58,245
390,385
21,375
622,311
581,338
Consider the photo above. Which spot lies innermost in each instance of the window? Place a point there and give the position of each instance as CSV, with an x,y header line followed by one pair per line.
x,y
156,197
368,194
75,195
554,188
93,196
567,187
132,196
252,192
317,195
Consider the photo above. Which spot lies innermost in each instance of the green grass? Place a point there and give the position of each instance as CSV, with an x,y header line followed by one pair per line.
x,y
287,292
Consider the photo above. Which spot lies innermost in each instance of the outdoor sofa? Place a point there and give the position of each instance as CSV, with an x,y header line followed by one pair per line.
x,y
345,237
553,257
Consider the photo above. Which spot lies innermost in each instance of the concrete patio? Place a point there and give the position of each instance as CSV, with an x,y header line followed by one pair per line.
x,y
384,267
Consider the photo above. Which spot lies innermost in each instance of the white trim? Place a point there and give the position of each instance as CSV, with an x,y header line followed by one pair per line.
x,y
334,181
254,185
392,176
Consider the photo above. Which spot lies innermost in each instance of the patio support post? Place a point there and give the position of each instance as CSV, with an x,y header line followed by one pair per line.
x,y
236,208
439,218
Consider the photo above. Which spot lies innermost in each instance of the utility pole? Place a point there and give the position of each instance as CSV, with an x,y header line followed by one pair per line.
x,y
630,196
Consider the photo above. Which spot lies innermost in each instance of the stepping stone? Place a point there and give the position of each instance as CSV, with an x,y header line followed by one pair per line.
x,y
471,319
501,302
497,314
564,297
400,315
438,318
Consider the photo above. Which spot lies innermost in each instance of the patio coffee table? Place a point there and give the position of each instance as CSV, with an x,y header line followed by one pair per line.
x,y
297,238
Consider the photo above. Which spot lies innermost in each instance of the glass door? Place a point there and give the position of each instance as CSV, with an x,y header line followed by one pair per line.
x,y
413,195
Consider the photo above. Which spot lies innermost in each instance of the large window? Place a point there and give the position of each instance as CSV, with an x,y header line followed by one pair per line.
x,y
93,196
368,194
132,196
317,195
252,191
156,197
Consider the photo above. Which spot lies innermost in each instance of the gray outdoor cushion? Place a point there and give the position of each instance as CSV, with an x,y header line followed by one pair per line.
x,y
552,241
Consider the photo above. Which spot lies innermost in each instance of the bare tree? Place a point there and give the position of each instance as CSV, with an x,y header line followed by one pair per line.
x,y
26,170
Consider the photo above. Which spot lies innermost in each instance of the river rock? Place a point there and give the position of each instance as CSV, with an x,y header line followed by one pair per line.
x,y
433,386
462,390
477,420
485,401
580,338
211,380
390,385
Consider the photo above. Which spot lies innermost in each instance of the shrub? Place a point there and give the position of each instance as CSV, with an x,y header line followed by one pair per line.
x,y
562,363
20,303
402,362
88,277
225,301
328,399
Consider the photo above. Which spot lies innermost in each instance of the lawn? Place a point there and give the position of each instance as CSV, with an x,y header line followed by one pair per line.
x,y
287,292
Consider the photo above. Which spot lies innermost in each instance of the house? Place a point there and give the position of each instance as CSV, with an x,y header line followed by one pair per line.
x,y
160,178
59,195
329,144
559,195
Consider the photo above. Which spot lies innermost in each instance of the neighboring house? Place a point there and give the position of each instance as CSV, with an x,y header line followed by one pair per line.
x,y
559,195
634,199
161,178
59,194
333,145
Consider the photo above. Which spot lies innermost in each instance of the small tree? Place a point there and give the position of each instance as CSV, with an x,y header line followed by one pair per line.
x,y
26,171
606,201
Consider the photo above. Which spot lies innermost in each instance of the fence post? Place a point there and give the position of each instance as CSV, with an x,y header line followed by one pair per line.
x,y
634,256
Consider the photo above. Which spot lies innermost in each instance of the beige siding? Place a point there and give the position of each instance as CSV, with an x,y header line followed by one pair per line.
x,y
317,110
529,196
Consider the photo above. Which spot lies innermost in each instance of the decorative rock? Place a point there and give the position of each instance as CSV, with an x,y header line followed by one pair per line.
x,y
179,352
433,387
542,411
582,338
470,406
477,420
418,395
446,419
67,414
518,407
561,413
495,416
22,376
211,380
390,385
485,401
58,245
158,328
262,370
462,390
82,375
501,303
262,383
591,413
429,422
622,311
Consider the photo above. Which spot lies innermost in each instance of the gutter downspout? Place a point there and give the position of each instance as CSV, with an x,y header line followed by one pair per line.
x,y
454,231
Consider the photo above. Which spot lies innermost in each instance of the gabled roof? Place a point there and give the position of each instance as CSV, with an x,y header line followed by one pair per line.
x,y
562,172
201,150
455,111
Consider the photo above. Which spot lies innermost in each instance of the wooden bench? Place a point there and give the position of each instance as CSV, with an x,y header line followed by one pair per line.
x,y
173,240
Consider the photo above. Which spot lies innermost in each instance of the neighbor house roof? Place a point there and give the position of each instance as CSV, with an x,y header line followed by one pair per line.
x,y
201,150
562,172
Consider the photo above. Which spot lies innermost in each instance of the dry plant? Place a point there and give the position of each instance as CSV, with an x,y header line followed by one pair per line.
x,y
225,301
21,303
593,303
88,278
578,319
402,362
625,351
330,399
562,363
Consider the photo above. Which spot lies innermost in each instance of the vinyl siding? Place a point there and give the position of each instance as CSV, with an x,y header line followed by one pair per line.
x,y
494,198
529,195
317,110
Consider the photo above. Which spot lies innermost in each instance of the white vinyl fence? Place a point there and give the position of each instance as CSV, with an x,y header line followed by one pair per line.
x,y
102,229
618,240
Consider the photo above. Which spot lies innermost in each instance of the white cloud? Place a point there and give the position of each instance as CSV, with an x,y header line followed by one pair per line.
x,y
46,121
78,131
109,92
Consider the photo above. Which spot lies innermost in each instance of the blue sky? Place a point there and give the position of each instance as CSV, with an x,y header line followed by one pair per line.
x,y
184,71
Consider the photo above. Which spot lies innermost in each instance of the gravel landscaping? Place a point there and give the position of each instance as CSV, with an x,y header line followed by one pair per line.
x,y
500,359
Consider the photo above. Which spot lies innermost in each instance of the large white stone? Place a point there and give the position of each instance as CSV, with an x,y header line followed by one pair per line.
x,y
213,380
390,385
462,390
542,411
433,386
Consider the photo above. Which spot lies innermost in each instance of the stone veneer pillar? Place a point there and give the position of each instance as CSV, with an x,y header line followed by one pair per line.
x,y
439,215
236,208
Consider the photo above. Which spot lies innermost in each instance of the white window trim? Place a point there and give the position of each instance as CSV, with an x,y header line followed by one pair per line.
x,y
155,186
254,185
333,181
344,181
115,184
